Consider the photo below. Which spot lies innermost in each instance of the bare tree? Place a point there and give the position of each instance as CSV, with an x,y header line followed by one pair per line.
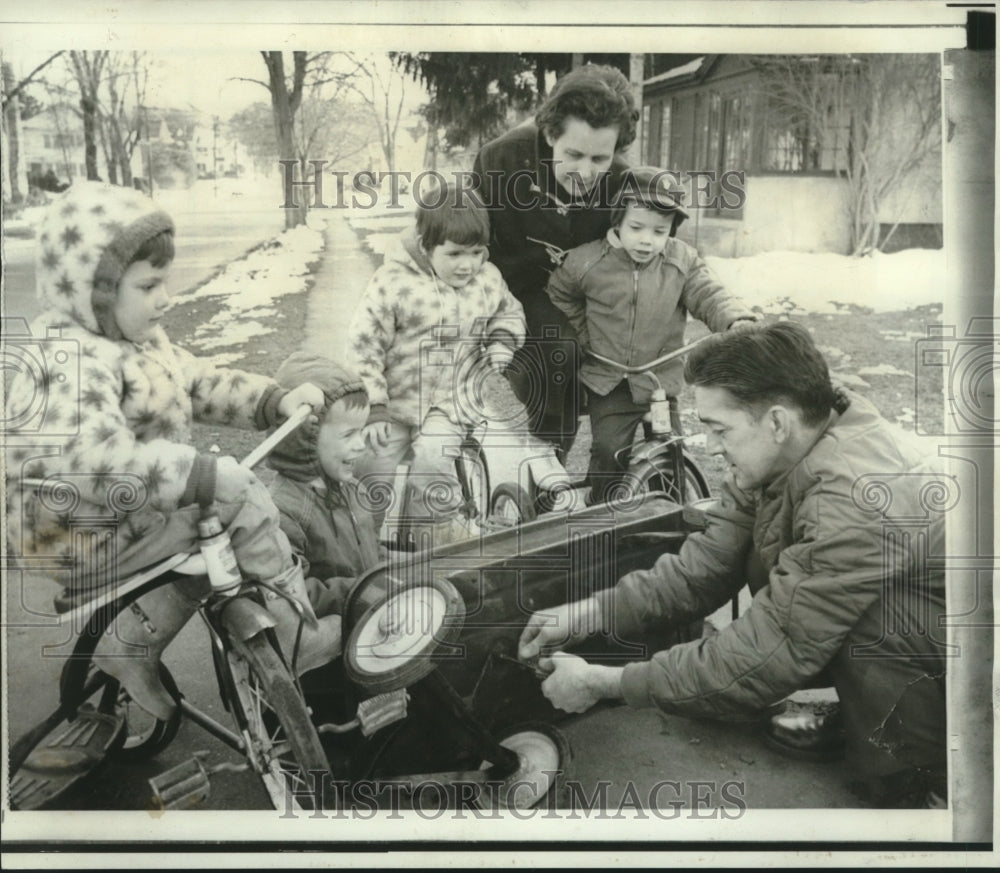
x,y
126,72
88,67
381,85
11,122
874,119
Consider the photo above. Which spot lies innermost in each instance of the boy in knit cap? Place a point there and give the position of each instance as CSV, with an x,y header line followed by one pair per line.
x,y
315,489
432,315
113,411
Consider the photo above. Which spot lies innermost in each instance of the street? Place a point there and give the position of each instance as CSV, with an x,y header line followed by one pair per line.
x,y
213,227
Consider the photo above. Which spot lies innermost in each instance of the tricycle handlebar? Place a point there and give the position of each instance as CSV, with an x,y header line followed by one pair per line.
x,y
266,447
643,368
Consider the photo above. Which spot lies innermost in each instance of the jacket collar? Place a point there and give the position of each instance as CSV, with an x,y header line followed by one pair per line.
x,y
841,406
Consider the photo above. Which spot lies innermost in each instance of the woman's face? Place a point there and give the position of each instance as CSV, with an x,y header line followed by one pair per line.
x,y
581,154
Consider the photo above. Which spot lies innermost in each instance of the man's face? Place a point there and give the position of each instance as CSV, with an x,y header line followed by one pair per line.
x,y
581,154
644,232
142,299
340,442
750,446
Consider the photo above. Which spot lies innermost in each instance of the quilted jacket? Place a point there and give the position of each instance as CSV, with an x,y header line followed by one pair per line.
x,y
832,556
636,313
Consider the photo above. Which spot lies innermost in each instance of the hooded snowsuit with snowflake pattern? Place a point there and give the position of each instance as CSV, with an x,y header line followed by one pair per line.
x,y
109,418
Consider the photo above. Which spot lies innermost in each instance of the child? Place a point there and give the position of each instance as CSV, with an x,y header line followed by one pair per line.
x,y
315,490
627,298
430,316
114,431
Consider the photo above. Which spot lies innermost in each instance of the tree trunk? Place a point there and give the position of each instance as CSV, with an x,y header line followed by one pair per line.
x,y
284,104
89,109
12,123
109,160
87,69
431,149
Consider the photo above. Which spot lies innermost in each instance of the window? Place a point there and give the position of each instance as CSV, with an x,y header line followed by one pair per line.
x,y
813,138
656,134
47,141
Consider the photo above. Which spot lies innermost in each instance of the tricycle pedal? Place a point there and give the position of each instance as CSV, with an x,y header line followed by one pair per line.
x,y
187,784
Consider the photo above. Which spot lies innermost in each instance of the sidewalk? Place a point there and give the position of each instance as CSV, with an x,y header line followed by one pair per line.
x,y
337,286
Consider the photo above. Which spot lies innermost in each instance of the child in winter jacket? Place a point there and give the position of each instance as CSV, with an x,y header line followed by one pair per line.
x,y
327,521
430,318
106,421
627,297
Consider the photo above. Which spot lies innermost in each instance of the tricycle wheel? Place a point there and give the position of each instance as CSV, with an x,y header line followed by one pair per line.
x,y
285,749
657,478
146,735
511,506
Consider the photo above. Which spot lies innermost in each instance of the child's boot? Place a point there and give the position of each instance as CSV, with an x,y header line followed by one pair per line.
x,y
140,633
320,640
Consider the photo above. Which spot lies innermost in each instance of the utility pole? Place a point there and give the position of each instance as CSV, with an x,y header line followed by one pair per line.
x,y
636,74
215,156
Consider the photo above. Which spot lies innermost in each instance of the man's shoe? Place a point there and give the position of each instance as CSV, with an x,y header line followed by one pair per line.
x,y
807,731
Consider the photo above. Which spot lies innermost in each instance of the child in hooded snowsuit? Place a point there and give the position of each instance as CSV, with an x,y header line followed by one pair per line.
x,y
107,419
432,315
326,520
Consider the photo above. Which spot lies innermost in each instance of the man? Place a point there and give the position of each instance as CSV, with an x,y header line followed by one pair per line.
x,y
816,477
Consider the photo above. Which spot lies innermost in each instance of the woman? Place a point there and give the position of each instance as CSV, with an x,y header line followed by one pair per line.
x,y
549,184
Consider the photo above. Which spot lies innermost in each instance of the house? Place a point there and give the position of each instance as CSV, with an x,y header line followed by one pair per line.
x,y
768,149
52,140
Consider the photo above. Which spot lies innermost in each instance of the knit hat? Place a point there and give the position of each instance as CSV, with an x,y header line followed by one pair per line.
x,y
652,187
296,456
87,238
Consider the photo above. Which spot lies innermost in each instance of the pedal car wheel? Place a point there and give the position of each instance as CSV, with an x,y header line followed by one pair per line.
x,y
395,642
545,754
511,506
285,748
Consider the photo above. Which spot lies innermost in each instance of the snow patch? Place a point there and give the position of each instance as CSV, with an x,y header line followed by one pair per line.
x,y
800,282
883,370
243,294
848,380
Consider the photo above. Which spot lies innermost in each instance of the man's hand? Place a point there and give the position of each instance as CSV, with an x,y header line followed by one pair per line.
x,y
376,434
574,685
558,627
304,393
499,356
